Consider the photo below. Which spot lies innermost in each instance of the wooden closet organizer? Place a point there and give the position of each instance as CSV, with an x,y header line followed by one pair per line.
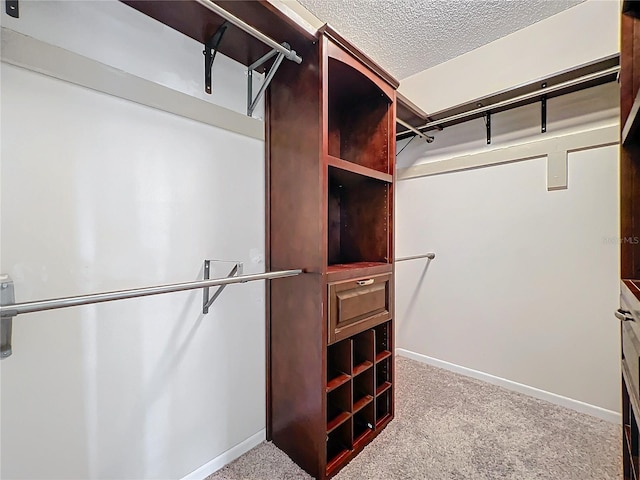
x,y
629,311
330,151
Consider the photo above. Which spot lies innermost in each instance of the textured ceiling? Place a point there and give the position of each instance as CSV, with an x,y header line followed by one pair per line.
x,y
408,36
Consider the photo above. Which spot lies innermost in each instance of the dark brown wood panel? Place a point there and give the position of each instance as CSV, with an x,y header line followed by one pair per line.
x,y
297,382
626,68
296,167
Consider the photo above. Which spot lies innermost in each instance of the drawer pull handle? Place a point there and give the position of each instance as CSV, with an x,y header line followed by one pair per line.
x,y
623,315
365,282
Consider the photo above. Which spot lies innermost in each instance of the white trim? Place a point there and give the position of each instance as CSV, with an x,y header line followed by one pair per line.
x,y
27,52
597,137
227,457
582,407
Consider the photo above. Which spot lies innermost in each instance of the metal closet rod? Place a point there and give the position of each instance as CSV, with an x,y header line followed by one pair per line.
x,y
526,96
14,309
287,52
414,130
429,255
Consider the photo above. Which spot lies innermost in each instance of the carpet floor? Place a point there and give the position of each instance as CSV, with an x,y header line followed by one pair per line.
x,y
451,427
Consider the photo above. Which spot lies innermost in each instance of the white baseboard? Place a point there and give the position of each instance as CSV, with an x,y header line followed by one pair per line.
x,y
227,457
599,412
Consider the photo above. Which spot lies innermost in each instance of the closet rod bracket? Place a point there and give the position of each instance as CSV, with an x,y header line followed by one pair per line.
x,y
543,111
12,8
206,301
209,52
251,101
7,297
487,122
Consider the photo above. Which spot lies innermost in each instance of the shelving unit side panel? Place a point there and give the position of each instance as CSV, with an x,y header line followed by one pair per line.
x,y
297,370
630,211
391,192
295,159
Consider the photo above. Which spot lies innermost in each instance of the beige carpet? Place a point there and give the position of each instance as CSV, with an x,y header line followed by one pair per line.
x,y
451,427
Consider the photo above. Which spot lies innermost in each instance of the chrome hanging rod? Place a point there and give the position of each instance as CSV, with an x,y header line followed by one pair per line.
x,y
414,130
520,98
14,309
287,52
429,255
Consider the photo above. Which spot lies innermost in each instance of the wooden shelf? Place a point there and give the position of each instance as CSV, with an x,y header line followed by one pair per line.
x,y
354,168
382,388
382,355
362,367
199,23
382,421
363,402
341,267
364,438
338,420
337,381
337,461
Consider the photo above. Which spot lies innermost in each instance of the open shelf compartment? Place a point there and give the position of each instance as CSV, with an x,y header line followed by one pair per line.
x,y
358,218
339,445
339,358
359,117
338,406
383,344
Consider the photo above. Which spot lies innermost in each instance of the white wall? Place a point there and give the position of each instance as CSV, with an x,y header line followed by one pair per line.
x,y
99,193
578,35
525,280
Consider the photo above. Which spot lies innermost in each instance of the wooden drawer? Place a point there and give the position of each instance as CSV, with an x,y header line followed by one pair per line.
x,y
358,304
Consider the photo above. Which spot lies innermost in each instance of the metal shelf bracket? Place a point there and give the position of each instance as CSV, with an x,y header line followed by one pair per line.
x,y
12,8
209,52
7,297
206,301
543,111
252,102
487,122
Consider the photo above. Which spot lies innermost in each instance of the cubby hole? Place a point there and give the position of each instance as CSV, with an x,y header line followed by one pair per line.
x,y
383,407
358,218
363,423
338,406
339,443
359,118
338,364
363,389
383,376
383,344
363,351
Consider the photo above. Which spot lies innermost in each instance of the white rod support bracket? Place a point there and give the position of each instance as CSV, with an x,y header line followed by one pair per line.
x,y
7,297
253,102
206,301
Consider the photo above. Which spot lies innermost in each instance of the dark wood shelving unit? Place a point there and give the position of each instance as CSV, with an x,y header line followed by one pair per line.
x,y
331,164
630,232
